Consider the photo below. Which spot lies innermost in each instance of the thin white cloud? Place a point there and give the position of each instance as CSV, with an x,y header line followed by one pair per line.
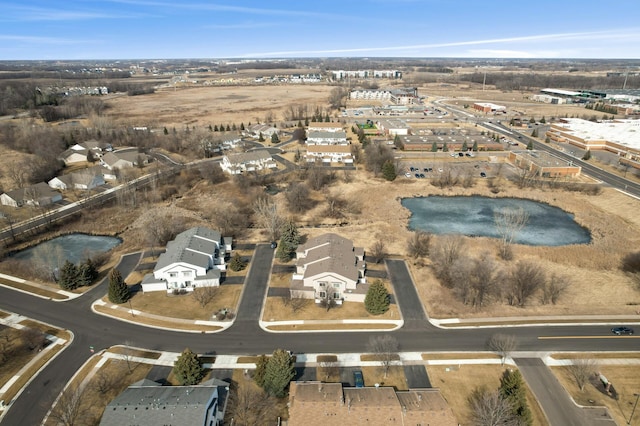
x,y
19,13
583,37
242,26
42,40
223,8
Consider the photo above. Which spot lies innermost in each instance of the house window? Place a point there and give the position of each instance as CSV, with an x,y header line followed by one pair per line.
x,y
336,295
188,283
322,294
186,274
173,274
322,284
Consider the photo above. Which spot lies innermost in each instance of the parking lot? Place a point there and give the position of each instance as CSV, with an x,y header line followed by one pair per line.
x,y
425,168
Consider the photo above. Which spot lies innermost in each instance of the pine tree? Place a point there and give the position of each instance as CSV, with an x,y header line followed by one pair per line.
x,y
389,171
241,126
237,264
512,389
261,366
215,128
474,148
377,300
465,147
187,369
530,145
118,289
289,240
434,147
261,138
587,155
87,272
274,138
69,276
278,373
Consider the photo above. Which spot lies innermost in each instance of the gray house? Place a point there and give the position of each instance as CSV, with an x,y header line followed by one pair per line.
x,y
147,403
39,194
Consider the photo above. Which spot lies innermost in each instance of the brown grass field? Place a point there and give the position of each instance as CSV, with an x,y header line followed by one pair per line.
x,y
457,384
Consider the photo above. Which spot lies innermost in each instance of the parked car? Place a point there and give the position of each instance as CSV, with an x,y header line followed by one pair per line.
x,y
422,175
618,331
460,154
274,244
483,174
417,175
407,174
358,379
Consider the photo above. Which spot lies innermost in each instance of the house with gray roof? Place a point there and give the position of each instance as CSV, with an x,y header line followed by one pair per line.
x,y
123,159
249,161
195,258
79,152
85,179
39,194
329,267
147,403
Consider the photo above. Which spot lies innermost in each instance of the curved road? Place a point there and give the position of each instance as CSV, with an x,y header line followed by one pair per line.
x,y
245,336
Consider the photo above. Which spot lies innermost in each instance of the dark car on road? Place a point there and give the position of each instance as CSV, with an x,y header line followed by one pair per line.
x,y
358,380
618,331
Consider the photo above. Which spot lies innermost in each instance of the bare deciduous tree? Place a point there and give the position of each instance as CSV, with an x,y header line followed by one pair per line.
x,y
385,348
250,406
268,217
419,244
524,280
446,251
502,344
103,382
554,288
581,369
71,407
490,408
484,279
295,303
204,295
378,250
509,223
34,338
297,196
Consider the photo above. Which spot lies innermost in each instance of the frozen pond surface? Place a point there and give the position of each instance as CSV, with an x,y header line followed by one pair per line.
x,y
72,247
474,216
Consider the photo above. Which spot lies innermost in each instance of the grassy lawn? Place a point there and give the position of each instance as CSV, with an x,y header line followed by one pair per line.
x,y
123,350
457,384
604,355
310,327
125,314
280,309
395,377
280,280
33,289
461,355
185,306
625,380
107,383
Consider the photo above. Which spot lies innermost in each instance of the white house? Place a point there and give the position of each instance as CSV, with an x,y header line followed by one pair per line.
x,y
247,162
326,138
79,152
329,267
329,154
261,129
39,194
394,126
80,180
195,258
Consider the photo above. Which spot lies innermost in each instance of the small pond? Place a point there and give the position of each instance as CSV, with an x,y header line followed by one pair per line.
x,y
72,247
474,216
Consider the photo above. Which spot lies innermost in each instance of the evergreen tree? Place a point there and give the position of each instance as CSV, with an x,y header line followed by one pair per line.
x,y
215,128
228,128
233,127
434,147
118,289
377,300
306,122
299,124
587,155
389,171
87,272
274,138
543,120
261,138
289,240
237,264
327,119
241,126
534,133
512,389
445,147
261,366
69,276
465,147
187,369
530,145
532,120
278,373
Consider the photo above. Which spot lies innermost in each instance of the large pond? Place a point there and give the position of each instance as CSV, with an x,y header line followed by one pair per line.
x,y
475,216
72,247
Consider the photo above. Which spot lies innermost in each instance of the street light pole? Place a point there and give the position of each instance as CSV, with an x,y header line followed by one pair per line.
x,y
637,395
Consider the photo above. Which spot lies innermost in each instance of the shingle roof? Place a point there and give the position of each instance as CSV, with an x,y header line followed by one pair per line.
x,y
250,156
193,246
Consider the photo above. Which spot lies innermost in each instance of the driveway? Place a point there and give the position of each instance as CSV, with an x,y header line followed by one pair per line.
x,y
554,399
405,294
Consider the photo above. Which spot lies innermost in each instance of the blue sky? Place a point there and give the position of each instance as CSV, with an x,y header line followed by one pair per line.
x,y
140,29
